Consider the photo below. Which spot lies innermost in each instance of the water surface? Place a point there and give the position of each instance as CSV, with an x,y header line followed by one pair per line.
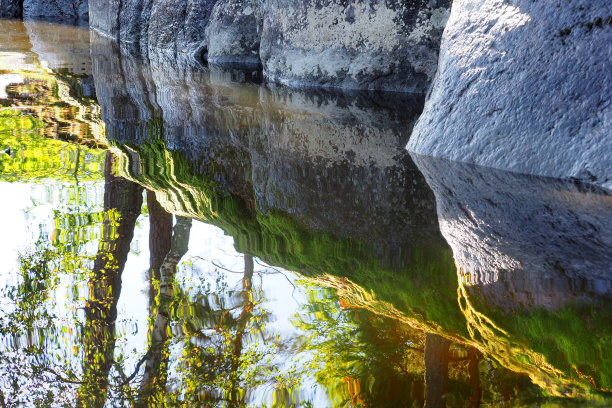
x,y
178,235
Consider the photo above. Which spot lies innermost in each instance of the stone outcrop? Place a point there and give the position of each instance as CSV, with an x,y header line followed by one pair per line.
x,y
233,33
172,28
10,8
367,44
524,86
74,12
370,44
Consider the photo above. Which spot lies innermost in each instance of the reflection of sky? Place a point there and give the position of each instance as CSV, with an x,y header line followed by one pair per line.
x,y
6,80
29,216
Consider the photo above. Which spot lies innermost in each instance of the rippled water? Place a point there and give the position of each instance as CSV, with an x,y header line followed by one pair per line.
x,y
178,235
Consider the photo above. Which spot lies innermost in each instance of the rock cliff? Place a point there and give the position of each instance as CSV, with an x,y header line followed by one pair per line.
x,y
524,86
367,44
75,12
370,44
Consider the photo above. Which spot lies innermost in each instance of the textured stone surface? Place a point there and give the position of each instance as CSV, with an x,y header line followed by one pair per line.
x,y
234,31
367,44
58,11
524,241
174,28
370,44
10,9
526,86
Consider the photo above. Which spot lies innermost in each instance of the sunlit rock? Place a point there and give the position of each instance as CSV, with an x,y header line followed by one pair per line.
x,y
524,86
390,45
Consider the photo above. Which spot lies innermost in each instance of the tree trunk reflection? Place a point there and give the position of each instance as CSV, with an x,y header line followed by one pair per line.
x,y
122,204
436,370
155,373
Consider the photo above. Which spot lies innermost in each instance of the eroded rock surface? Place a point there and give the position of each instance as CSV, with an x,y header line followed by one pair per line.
x,y
171,28
234,32
524,86
368,44
74,12
10,9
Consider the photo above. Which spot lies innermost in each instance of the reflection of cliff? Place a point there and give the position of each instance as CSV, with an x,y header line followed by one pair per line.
x,y
49,79
534,257
319,184
308,154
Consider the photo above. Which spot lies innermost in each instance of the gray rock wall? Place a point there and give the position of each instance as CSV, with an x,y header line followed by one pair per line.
x,y
525,86
234,32
74,12
368,44
173,28
10,9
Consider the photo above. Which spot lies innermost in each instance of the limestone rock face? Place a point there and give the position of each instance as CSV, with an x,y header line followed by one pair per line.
x,y
525,86
233,33
10,9
58,11
366,44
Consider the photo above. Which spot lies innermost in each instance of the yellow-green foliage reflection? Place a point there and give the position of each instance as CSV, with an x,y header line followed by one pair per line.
x,y
31,156
423,294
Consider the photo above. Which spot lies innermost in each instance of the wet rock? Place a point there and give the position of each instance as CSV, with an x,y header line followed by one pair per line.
x,y
524,86
10,9
233,33
74,12
368,44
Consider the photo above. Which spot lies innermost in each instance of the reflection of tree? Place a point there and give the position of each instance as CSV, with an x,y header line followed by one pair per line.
x,y
153,382
125,198
227,350
437,355
365,359
361,359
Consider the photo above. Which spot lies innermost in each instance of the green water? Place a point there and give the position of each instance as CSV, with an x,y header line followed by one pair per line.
x,y
175,235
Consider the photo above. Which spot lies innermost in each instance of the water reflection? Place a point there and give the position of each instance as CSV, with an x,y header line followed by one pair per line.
x,y
535,259
373,313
